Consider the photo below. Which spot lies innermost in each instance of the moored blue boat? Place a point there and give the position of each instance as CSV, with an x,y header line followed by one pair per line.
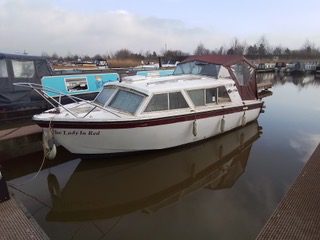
x,y
83,85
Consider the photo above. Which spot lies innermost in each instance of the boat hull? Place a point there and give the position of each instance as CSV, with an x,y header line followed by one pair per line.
x,y
149,134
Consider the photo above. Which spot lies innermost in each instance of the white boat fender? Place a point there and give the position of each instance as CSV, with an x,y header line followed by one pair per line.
x,y
222,124
195,128
243,120
49,148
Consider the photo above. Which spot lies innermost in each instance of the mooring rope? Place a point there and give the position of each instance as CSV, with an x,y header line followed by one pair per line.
x,y
45,156
34,176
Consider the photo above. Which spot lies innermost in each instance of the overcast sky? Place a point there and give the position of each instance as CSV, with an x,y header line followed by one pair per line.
x,y
93,26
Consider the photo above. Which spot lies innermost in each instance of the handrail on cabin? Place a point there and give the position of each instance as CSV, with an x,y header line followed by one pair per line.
x,y
41,90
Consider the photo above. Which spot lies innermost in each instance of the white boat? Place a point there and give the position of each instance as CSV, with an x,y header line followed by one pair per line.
x,y
205,96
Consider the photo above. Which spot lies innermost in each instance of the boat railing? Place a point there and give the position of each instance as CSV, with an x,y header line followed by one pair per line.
x,y
43,92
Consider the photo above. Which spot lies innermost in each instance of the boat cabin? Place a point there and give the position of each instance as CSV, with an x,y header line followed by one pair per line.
x,y
158,96
195,84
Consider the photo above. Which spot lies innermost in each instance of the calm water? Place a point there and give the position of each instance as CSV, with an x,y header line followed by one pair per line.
x,y
223,188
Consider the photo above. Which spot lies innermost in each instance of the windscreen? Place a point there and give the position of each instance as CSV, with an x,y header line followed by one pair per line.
x,y
126,101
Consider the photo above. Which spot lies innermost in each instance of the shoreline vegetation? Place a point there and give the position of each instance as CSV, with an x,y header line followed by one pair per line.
x,y
261,51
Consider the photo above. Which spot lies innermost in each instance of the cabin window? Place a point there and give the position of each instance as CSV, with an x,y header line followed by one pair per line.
x,y
242,72
104,95
211,95
23,69
176,101
126,101
76,84
158,102
223,96
197,97
3,69
201,97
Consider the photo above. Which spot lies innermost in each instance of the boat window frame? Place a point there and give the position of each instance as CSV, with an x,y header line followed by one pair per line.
x,y
240,70
5,68
218,95
118,88
151,97
183,98
111,96
204,96
168,102
70,78
21,62
216,103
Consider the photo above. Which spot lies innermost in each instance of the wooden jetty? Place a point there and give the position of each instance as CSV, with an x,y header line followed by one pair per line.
x,y
17,132
298,213
19,141
263,89
16,223
264,85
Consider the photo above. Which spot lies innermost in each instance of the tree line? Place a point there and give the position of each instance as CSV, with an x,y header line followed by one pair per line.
x,y
258,50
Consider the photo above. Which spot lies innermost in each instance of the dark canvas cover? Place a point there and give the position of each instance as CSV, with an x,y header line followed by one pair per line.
x,y
14,95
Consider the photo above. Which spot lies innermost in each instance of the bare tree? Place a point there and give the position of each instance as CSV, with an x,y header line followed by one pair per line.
x,y
308,49
236,48
278,51
252,50
55,56
97,57
123,53
221,51
201,50
264,48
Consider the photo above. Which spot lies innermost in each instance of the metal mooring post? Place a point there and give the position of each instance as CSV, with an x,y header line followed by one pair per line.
x,y
4,193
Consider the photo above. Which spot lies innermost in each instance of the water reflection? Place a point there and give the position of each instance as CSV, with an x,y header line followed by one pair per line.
x,y
70,194
282,79
100,189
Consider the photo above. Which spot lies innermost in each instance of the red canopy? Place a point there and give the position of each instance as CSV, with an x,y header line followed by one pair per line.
x,y
225,60
248,91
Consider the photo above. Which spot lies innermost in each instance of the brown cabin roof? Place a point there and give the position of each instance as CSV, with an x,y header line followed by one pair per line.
x,y
225,60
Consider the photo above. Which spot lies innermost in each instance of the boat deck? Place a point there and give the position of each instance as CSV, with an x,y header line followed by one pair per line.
x,y
16,224
298,213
